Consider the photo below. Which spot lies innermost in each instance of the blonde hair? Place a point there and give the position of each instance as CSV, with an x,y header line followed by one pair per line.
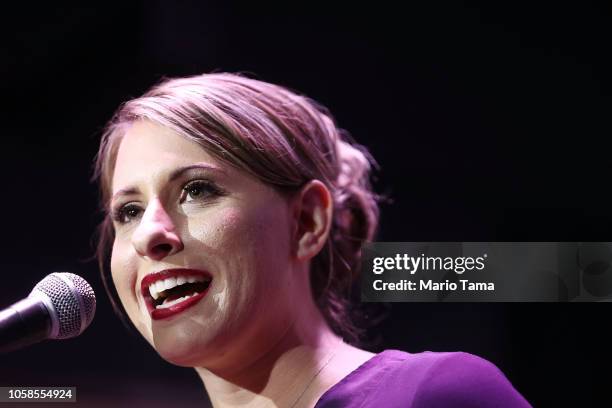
x,y
284,140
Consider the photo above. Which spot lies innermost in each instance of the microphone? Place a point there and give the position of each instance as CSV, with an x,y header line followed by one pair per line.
x,y
60,306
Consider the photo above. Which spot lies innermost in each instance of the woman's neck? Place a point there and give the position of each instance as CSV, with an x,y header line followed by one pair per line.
x,y
295,372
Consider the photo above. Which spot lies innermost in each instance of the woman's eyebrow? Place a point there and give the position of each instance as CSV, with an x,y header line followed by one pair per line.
x,y
173,176
124,191
178,172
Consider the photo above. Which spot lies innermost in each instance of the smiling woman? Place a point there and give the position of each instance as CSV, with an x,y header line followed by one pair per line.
x,y
236,211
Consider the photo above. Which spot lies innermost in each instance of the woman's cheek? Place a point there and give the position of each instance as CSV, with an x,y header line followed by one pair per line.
x,y
234,241
124,274
219,231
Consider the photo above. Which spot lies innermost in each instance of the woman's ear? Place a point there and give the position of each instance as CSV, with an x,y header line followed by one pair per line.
x,y
312,217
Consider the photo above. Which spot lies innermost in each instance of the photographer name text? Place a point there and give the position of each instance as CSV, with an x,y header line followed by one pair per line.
x,y
431,285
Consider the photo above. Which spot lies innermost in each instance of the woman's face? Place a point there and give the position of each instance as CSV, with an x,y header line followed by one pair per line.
x,y
180,214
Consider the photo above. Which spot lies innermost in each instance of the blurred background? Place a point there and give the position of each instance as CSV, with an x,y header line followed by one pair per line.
x,y
490,122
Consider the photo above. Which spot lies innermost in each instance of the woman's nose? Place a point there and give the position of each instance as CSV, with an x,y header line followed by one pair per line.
x,y
156,236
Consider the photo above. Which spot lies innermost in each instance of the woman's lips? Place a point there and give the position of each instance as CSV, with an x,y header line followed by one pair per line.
x,y
162,313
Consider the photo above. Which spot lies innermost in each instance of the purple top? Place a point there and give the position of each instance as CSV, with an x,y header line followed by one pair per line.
x,y
394,379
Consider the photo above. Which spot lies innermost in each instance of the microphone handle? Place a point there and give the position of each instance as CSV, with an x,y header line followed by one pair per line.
x,y
23,323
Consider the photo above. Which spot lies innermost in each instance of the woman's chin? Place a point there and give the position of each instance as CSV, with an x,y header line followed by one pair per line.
x,y
179,360
180,350
182,356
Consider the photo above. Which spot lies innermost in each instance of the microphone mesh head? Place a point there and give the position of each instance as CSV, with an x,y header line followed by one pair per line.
x,y
87,294
72,298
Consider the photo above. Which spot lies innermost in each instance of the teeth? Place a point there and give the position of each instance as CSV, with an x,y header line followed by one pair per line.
x,y
170,283
153,291
161,285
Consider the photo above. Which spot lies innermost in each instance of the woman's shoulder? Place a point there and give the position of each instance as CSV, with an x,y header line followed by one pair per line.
x,y
460,379
395,378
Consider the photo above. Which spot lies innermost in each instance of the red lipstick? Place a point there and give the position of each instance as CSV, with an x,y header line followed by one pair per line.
x,y
203,281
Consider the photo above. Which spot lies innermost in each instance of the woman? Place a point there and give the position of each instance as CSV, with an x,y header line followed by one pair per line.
x,y
236,211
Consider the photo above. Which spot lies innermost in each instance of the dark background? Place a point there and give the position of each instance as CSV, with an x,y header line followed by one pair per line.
x,y
490,123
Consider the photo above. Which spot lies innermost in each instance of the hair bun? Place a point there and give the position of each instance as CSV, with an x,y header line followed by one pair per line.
x,y
356,204
353,164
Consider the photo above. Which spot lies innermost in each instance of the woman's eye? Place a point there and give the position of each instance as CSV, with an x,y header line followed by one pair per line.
x,y
127,213
197,190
